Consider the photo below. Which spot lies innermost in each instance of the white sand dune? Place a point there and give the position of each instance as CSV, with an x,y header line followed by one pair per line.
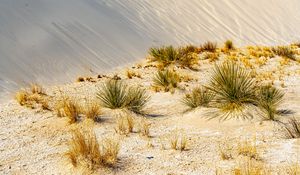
x,y
55,41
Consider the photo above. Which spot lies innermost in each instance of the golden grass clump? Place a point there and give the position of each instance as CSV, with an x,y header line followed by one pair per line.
x,y
251,167
125,124
208,47
86,152
198,97
212,57
176,139
130,74
166,80
93,111
248,148
284,51
144,127
67,107
33,97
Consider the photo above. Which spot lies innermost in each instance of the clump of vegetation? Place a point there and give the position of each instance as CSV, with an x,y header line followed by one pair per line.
x,y
144,127
184,56
188,56
251,167
33,97
165,54
130,74
269,99
176,140
198,97
233,87
166,80
93,111
284,51
85,151
69,108
211,56
208,47
228,45
125,124
114,94
248,148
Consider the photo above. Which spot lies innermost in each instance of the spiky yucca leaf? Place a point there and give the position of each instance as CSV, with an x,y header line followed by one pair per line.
x,y
269,98
166,79
198,97
233,86
113,94
165,54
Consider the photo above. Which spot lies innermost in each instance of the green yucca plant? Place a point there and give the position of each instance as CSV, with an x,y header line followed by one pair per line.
x,y
233,87
166,79
284,51
198,97
269,98
165,54
208,46
137,98
115,94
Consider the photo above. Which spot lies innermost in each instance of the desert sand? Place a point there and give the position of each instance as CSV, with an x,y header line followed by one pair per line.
x,y
34,141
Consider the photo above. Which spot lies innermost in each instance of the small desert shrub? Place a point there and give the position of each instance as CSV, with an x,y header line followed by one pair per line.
x,y
114,94
269,99
228,45
144,127
137,99
226,151
198,97
284,51
176,139
248,148
130,74
125,124
250,167
92,111
21,97
67,107
233,87
166,79
210,56
165,54
37,89
188,56
208,46
85,151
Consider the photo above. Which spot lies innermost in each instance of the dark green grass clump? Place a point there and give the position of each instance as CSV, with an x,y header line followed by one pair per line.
x,y
115,94
233,87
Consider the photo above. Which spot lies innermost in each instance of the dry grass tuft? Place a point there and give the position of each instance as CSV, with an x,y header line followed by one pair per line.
x,y
176,139
125,124
21,97
248,148
93,111
166,80
85,151
208,46
284,51
130,74
37,89
144,127
198,97
251,167
67,107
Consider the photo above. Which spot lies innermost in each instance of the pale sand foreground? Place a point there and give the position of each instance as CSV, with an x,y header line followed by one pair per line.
x,y
34,141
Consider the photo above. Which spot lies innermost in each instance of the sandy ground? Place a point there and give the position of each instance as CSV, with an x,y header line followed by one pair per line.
x,y
34,141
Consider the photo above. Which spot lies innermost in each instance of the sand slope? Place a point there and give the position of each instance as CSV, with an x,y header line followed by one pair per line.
x,y
54,41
